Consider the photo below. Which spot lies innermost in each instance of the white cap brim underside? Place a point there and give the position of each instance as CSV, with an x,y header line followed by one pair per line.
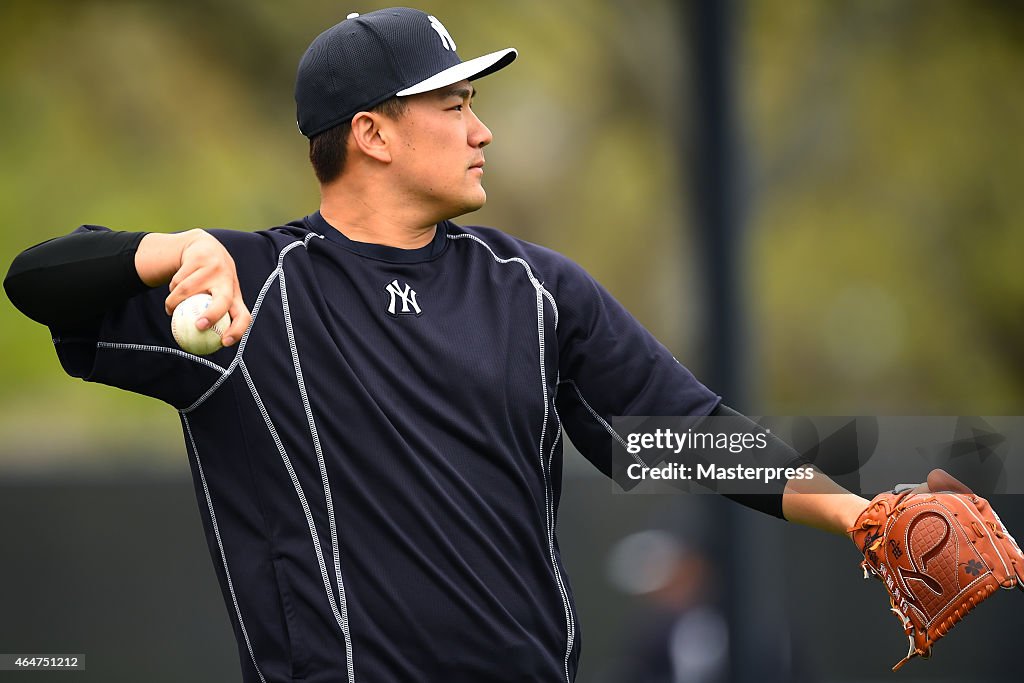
x,y
459,72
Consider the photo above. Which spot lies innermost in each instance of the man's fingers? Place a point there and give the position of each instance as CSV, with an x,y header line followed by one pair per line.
x,y
207,268
240,319
219,304
941,480
196,282
180,275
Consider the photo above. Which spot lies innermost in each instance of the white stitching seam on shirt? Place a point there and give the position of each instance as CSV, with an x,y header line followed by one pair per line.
x,y
551,539
343,603
601,420
529,271
570,626
298,491
548,490
278,272
220,545
225,373
161,349
255,312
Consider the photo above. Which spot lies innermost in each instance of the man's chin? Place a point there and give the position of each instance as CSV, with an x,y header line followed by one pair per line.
x,y
478,202
469,205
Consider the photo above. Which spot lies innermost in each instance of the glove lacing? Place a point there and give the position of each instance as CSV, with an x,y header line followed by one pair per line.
x,y
971,601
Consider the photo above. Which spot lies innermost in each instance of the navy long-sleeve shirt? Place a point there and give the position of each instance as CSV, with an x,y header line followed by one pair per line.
x,y
378,461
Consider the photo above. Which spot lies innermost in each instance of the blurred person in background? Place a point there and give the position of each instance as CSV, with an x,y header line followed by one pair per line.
x,y
681,634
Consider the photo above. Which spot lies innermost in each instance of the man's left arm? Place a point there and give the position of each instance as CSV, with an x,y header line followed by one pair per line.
x,y
610,366
823,504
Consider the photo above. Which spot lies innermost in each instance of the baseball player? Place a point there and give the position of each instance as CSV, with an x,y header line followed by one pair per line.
x,y
376,450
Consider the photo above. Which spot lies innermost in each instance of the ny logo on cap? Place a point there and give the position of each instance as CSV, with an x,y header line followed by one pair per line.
x,y
406,295
446,38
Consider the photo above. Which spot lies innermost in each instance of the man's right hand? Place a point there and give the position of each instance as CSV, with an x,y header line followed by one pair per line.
x,y
195,262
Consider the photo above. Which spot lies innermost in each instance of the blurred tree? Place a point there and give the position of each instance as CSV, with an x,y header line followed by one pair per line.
x,y
888,136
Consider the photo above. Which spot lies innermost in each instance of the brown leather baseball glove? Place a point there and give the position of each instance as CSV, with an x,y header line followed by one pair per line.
x,y
939,555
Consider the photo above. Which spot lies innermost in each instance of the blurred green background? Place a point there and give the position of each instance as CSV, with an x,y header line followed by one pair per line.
x,y
883,150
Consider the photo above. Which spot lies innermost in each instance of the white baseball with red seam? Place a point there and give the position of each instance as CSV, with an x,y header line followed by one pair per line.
x,y
189,337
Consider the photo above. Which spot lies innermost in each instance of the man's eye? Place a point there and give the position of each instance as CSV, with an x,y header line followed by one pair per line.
x,y
457,107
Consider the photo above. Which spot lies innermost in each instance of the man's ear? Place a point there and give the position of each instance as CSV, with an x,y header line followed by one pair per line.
x,y
369,137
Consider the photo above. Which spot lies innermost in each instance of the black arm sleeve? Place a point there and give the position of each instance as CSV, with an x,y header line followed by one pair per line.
x,y
72,280
768,498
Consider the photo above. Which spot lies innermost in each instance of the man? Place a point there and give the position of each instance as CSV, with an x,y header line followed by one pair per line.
x,y
377,449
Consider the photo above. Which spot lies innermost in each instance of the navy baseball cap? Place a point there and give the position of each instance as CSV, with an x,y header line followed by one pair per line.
x,y
357,64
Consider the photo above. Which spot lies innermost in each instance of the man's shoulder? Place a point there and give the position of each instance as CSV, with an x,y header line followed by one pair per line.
x,y
269,241
505,247
259,252
284,234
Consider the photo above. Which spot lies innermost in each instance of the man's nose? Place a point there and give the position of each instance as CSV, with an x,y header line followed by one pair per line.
x,y
479,134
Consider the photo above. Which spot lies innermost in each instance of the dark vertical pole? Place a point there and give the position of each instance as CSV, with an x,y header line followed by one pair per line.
x,y
759,640
718,196
713,178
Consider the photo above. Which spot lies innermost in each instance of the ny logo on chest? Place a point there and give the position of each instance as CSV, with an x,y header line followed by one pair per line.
x,y
402,300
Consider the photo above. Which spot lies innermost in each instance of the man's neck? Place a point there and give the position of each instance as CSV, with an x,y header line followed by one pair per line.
x,y
362,221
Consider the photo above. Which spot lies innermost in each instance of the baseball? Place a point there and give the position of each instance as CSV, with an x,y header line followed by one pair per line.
x,y
187,335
